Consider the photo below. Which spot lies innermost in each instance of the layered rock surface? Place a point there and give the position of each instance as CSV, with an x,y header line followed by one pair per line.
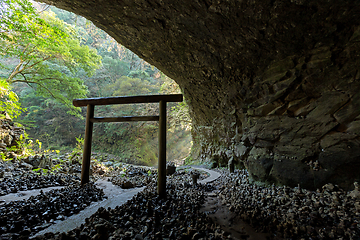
x,y
10,135
271,84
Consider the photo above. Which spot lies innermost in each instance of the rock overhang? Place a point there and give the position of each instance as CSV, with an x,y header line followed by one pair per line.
x,y
271,84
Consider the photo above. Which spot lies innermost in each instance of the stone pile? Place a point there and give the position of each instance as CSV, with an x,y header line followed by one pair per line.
x,y
129,176
39,161
148,217
14,177
293,213
21,219
280,211
139,176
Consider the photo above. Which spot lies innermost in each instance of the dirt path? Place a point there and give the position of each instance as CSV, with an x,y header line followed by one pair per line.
x,y
22,195
228,221
116,196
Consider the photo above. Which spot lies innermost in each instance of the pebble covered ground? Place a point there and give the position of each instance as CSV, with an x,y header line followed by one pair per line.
x,y
292,213
282,212
16,176
21,219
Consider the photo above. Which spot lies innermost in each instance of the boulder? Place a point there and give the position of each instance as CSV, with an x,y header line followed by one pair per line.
x,y
10,135
39,161
26,165
170,168
126,184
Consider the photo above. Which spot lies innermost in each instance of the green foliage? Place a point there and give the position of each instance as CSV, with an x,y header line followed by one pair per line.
x,y
3,156
48,51
23,147
50,122
168,85
115,68
45,171
179,116
128,86
39,143
9,100
59,61
77,151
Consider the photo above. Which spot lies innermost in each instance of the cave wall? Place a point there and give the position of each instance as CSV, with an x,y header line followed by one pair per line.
x,y
272,85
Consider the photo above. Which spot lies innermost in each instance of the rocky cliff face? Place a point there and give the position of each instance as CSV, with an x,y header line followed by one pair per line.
x,y
10,135
272,84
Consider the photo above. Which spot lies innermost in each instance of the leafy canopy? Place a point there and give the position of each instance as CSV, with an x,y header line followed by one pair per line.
x,y
47,51
9,100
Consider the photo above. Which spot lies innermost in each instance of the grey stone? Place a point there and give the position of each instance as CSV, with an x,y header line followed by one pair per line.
x,y
45,162
291,172
327,104
26,165
127,184
353,127
334,138
8,140
349,111
259,164
240,150
3,146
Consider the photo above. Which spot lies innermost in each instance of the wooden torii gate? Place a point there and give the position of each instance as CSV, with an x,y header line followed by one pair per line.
x,y
90,119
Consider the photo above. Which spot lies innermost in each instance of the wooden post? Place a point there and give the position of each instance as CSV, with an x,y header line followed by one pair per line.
x,y
162,150
85,171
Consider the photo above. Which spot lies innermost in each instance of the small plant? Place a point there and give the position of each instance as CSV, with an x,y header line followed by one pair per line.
x,y
39,143
77,151
56,168
123,170
41,171
4,158
45,171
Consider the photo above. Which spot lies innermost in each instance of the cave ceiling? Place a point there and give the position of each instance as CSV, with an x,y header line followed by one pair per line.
x,y
272,85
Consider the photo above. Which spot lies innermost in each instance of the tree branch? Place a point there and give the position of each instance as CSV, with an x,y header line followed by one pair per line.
x,y
25,48
18,80
34,82
14,72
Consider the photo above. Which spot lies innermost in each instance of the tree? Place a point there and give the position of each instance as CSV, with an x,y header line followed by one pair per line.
x,y
179,117
47,50
9,100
